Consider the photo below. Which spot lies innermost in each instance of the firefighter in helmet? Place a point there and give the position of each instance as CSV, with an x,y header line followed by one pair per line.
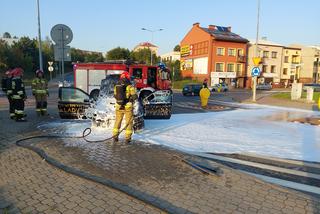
x,y
18,94
40,92
125,95
6,88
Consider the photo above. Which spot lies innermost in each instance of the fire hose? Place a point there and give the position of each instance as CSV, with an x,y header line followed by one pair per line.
x,y
87,131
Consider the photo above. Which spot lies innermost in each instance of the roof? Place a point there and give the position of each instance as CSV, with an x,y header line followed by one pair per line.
x,y
223,33
147,44
265,42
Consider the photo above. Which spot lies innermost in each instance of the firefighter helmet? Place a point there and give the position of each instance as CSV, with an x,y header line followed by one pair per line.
x,y
8,73
39,71
125,75
17,72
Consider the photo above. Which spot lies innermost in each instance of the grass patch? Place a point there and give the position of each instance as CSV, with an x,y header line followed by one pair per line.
x,y
180,83
287,95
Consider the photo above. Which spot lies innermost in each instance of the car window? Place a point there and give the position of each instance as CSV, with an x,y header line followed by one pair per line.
x,y
72,95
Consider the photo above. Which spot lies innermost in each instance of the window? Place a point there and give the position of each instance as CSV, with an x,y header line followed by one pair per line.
x,y
231,52
240,52
274,54
72,95
239,67
295,60
219,67
220,51
266,54
285,71
230,67
264,68
137,73
286,59
273,69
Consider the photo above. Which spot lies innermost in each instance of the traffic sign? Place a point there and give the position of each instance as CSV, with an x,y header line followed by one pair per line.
x,y
256,60
50,68
61,34
62,53
255,71
50,63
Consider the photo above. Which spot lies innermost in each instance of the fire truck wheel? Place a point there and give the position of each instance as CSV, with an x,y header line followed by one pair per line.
x,y
94,94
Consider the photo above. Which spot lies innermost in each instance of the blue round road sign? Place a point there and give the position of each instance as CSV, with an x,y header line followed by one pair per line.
x,y
255,71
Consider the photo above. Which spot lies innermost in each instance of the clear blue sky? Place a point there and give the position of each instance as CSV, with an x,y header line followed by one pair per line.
x,y
100,25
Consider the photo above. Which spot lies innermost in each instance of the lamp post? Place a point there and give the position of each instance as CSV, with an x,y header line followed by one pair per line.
x,y
39,38
254,88
152,32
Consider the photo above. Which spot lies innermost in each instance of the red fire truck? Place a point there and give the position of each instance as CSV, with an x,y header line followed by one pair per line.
x,y
88,76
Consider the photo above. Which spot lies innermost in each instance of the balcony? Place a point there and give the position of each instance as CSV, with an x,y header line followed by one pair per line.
x,y
241,59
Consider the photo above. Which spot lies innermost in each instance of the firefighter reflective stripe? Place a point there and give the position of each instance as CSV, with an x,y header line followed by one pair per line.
x,y
129,132
40,91
115,131
38,109
16,97
18,112
9,92
20,92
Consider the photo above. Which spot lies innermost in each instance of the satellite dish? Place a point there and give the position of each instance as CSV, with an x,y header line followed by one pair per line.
x,y
61,34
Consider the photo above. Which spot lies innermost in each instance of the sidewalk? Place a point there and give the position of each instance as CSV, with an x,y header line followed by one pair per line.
x,y
29,184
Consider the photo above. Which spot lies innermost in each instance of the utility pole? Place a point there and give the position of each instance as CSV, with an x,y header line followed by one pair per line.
x,y
254,88
39,38
151,31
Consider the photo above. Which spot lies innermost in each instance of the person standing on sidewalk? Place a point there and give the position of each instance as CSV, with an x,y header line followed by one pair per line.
x,y
40,92
18,94
125,95
6,88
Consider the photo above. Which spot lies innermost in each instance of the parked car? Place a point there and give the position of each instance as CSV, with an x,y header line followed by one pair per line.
x,y
315,86
191,89
264,86
223,87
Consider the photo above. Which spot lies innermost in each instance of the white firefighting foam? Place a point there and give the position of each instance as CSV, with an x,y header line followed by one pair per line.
x,y
261,131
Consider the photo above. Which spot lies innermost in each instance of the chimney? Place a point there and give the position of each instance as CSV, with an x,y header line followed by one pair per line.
x,y
212,27
197,24
229,29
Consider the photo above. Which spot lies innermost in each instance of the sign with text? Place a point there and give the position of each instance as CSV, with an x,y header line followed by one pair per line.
x,y
185,50
186,64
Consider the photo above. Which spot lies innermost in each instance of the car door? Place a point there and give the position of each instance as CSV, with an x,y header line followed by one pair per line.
x,y
72,102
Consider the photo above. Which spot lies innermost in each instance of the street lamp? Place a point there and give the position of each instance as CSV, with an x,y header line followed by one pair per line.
x,y
39,38
152,32
254,88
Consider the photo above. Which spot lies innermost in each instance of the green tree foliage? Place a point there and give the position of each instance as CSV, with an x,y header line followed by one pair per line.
x,y
6,35
94,57
118,54
176,48
174,66
144,56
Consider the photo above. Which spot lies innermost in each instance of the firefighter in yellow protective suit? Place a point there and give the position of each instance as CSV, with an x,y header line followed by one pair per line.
x,y
40,92
204,96
125,95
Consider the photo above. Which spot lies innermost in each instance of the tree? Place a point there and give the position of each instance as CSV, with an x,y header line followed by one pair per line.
x,y
144,56
94,57
118,54
6,35
174,66
176,48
